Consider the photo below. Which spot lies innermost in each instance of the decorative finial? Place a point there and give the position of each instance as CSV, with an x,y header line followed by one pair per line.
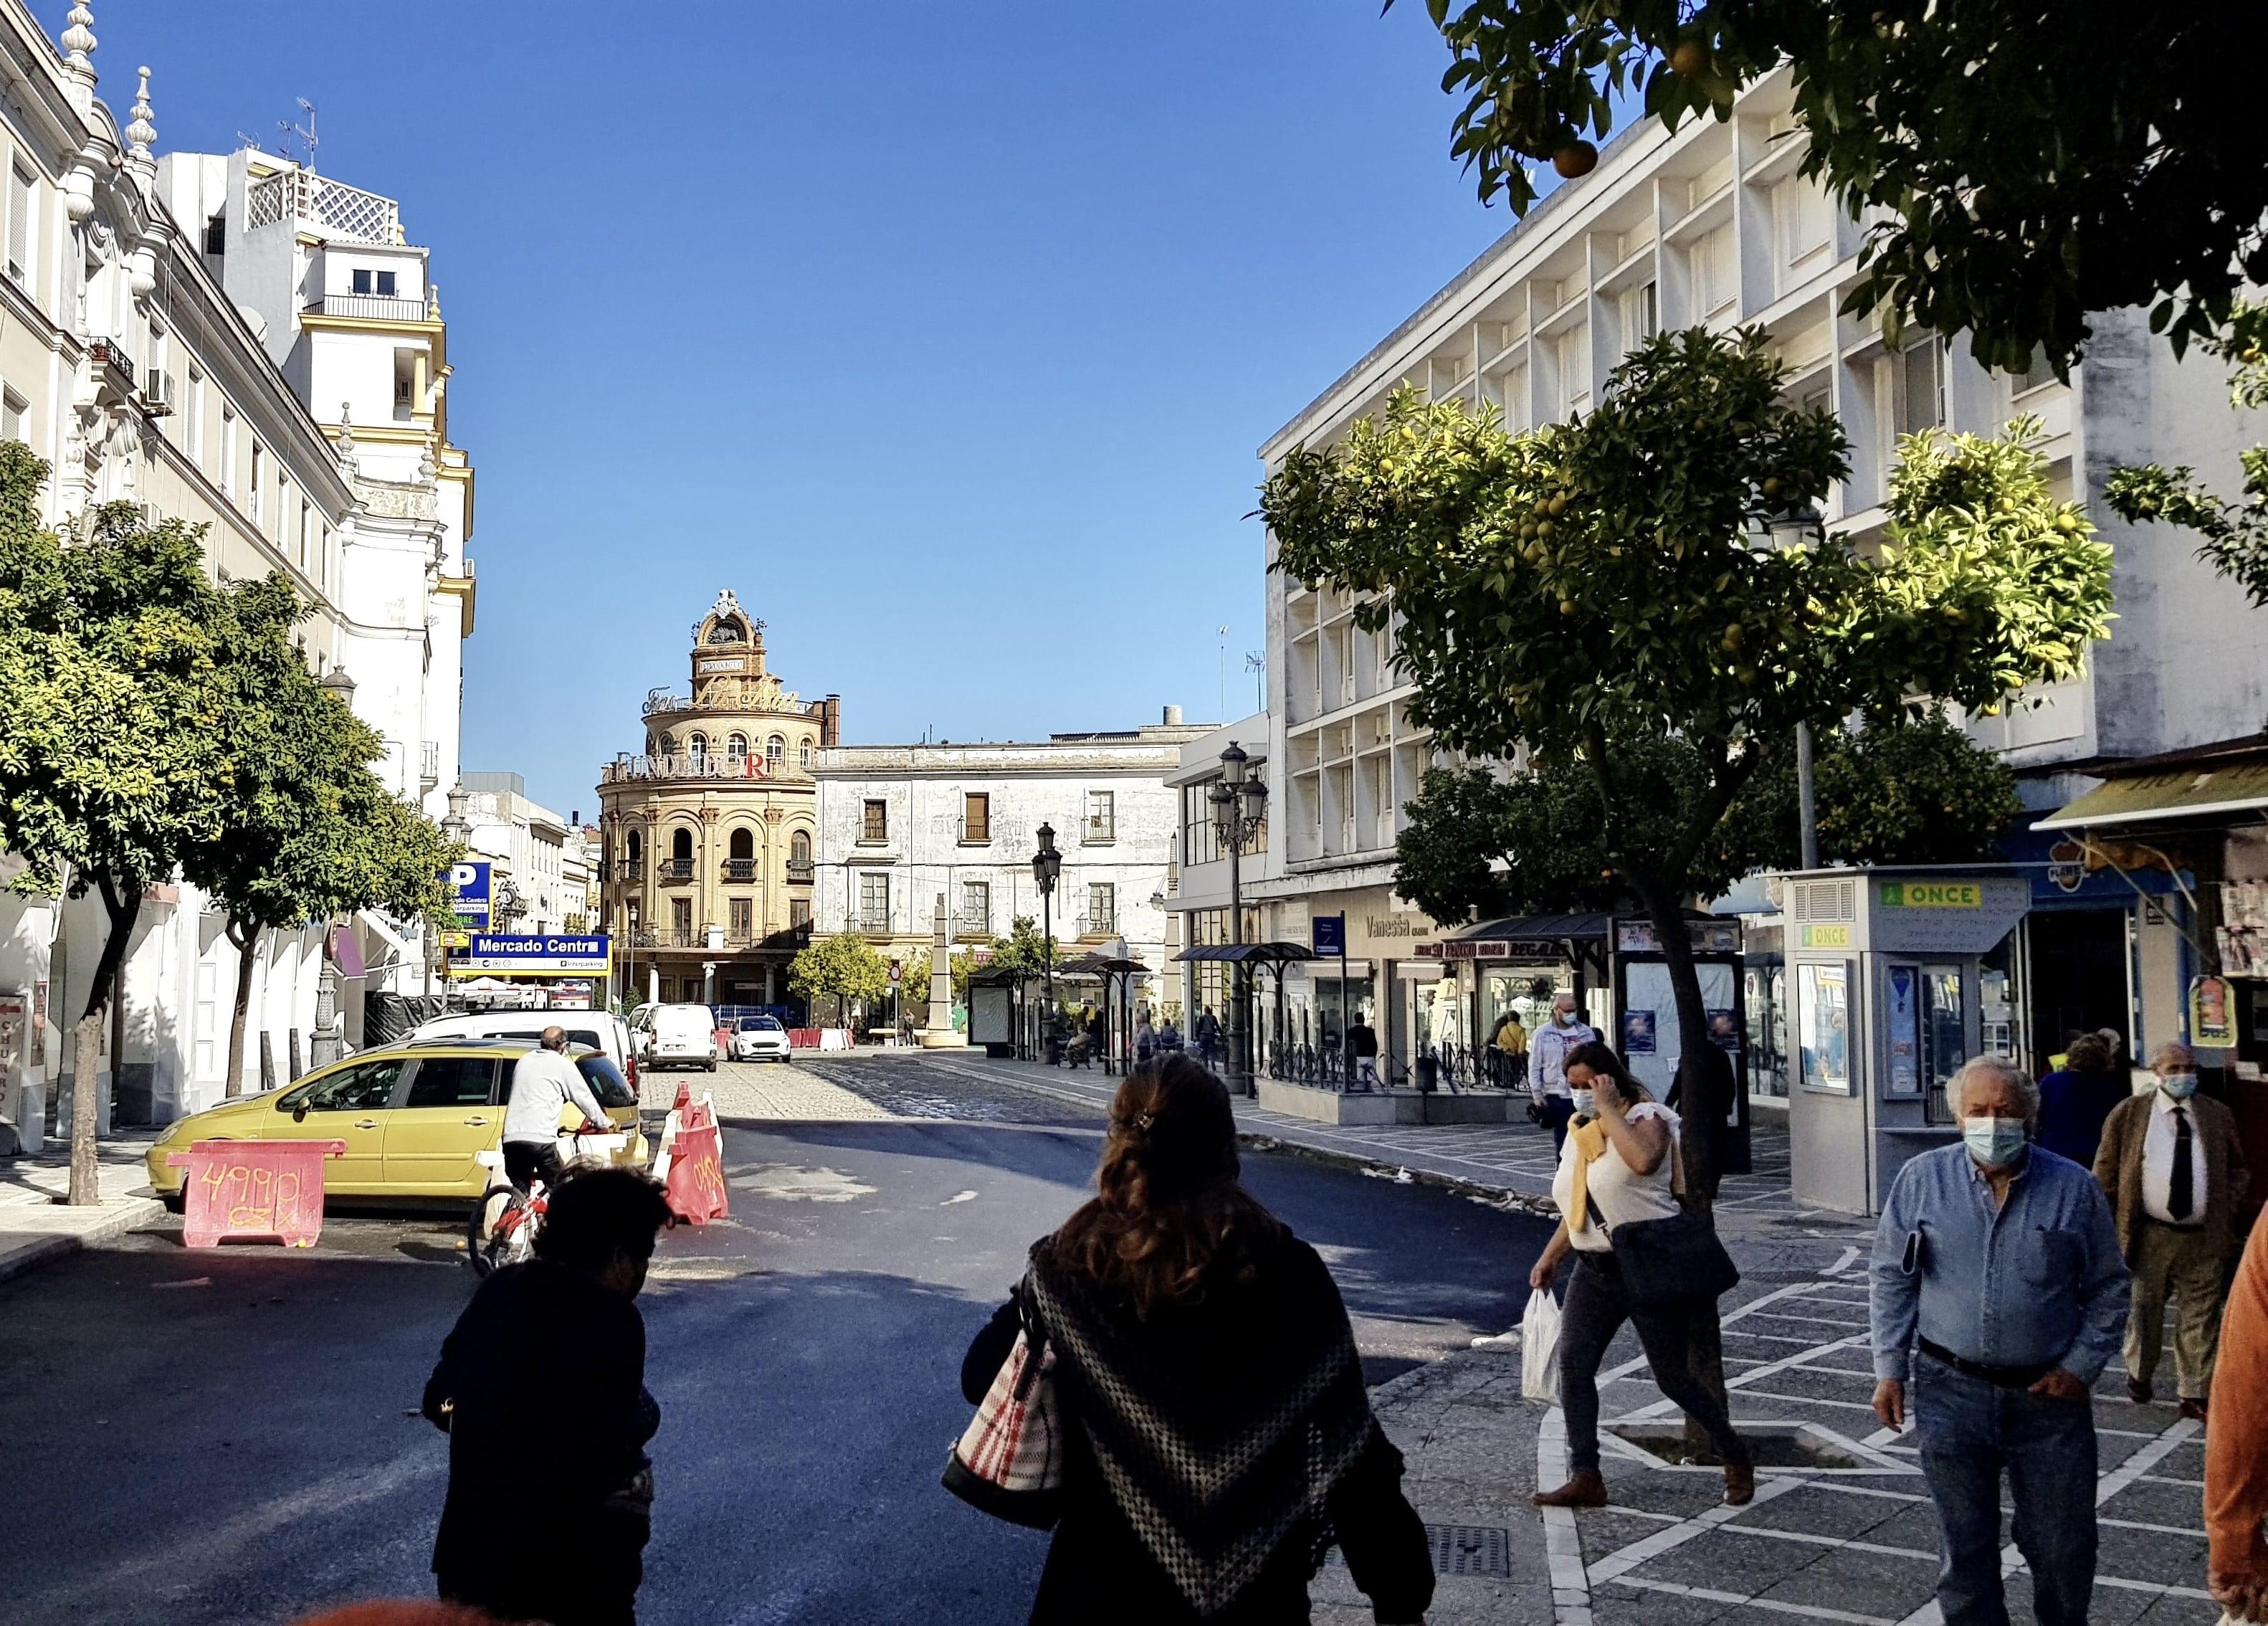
x,y
427,470
140,135
344,447
79,39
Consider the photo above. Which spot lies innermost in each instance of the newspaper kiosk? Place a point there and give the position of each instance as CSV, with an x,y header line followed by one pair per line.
x,y
1887,993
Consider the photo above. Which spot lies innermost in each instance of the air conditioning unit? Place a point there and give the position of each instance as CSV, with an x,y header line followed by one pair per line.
x,y
158,394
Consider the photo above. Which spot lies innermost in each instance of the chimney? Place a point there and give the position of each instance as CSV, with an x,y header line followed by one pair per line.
x,y
1173,717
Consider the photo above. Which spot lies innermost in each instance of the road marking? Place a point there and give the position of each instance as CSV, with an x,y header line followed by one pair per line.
x,y
958,1197
1711,1596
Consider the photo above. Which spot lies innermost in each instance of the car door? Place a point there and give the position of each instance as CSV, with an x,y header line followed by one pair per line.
x,y
351,1103
449,1114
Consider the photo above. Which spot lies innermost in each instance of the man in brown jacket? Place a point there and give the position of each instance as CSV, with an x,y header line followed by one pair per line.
x,y
2236,1445
2169,1164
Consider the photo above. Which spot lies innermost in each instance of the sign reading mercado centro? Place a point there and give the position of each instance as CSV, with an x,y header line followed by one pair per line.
x,y
496,954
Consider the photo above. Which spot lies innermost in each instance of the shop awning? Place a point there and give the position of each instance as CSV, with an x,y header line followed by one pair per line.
x,y
2205,792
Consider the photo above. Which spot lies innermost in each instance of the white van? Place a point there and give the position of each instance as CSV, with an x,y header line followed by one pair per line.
x,y
602,1030
682,1036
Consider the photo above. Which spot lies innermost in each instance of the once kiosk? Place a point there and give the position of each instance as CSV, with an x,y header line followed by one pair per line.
x,y
1887,1001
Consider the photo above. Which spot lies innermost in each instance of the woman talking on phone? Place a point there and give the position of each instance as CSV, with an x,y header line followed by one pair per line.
x,y
1618,1168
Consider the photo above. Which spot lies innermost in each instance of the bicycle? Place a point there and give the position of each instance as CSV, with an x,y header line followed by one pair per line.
x,y
504,1223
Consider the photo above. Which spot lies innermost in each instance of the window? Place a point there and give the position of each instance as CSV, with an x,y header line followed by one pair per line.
x,y
977,816
1102,908
874,901
379,282
365,1088
1920,386
635,844
697,746
681,920
228,452
15,417
216,235
193,416
737,748
810,755
1200,842
20,227
680,845
775,754
258,478
744,914
798,912
454,1081
976,908
876,826
1716,275
1805,217
743,847
2037,373
798,847
1641,316
306,529
1101,817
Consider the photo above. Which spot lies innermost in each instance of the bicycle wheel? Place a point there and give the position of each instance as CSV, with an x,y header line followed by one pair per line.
x,y
501,1230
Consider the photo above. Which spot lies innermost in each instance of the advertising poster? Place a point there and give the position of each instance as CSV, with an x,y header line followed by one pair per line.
x,y
468,887
1904,1021
2212,1014
1638,1033
1724,1031
1822,1021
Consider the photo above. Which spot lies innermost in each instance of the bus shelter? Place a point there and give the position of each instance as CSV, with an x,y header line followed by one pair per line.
x,y
1269,1051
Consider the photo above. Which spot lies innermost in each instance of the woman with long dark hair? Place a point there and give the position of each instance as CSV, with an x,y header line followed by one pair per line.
x,y
1219,1437
1619,1168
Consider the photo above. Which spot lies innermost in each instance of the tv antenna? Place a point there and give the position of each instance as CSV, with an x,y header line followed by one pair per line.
x,y
246,142
304,136
1256,662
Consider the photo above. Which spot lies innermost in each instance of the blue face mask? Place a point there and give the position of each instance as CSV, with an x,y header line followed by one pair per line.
x,y
2180,1087
1993,1141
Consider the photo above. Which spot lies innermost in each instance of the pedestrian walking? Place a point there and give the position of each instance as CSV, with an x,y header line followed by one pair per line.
x,y
2236,1444
1217,1434
2077,1097
2172,1169
1207,1033
541,1389
1146,1038
1619,1168
1510,1043
1362,1045
1999,1288
1547,1070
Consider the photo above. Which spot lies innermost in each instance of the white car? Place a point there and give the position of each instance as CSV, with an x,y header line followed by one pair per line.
x,y
680,1036
761,1039
601,1030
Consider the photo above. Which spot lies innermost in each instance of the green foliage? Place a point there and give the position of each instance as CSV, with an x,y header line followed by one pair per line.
x,y
842,968
1023,949
2027,166
1914,790
2235,533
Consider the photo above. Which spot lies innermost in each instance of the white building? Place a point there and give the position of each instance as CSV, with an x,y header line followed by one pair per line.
x,y
140,357
578,876
1714,226
527,842
901,825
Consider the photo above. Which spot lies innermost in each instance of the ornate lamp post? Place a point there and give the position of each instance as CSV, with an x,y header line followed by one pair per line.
x,y
1240,810
1046,866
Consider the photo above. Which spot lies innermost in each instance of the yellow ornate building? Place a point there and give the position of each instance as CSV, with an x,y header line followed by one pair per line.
x,y
706,840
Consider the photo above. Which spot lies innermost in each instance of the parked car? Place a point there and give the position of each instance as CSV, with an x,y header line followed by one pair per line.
x,y
601,1030
682,1036
414,1116
761,1039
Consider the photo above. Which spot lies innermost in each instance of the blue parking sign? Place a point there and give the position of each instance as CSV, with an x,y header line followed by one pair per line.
x,y
468,887
1328,938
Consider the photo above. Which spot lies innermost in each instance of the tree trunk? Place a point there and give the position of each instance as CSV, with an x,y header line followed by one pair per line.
x,y
248,951
86,1042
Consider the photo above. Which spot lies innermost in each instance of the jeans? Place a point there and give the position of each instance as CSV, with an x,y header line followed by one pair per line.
x,y
1557,1110
1597,1305
1970,1432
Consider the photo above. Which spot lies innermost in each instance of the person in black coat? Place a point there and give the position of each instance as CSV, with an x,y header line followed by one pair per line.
x,y
540,1388
1190,1328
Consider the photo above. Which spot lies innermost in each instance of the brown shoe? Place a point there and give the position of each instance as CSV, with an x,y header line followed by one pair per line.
x,y
1582,1490
1739,1483
2194,1409
2138,1390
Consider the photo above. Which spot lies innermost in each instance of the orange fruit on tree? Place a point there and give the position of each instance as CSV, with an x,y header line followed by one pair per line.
x,y
1577,158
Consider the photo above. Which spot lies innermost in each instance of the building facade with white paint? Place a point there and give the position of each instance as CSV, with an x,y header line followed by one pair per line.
x,y
901,827
1712,227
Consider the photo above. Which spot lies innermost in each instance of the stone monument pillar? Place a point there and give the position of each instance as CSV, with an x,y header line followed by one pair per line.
x,y
939,1034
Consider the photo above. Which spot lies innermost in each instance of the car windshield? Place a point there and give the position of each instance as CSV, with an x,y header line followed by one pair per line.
x,y
606,1081
758,1025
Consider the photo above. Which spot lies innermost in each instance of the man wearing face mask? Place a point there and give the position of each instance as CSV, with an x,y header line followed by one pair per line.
x,y
2170,1165
1998,1287
1547,1066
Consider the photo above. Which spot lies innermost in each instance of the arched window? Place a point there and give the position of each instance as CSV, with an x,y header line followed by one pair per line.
x,y
667,746
697,746
809,754
743,846
636,847
774,754
799,847
737,747
680,844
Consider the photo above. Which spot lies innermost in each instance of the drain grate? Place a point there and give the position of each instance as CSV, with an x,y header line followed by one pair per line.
x,y
1470,1549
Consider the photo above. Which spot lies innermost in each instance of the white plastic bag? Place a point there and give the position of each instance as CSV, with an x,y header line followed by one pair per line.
x,y
1539,1348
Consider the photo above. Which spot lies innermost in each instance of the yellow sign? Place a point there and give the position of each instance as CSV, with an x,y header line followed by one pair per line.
x,y
1932,895
456,939
1827,937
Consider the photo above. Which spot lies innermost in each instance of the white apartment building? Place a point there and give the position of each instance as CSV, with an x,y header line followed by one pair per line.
x,y
527,842
1714,226
142,370
901,825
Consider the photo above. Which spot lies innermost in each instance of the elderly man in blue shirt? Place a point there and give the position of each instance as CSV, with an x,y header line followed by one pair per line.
x,y
1999,1289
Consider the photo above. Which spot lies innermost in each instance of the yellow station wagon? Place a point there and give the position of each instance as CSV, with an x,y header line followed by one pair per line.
x,y
415,1117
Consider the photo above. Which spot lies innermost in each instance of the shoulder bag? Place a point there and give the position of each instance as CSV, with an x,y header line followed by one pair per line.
x,y
1671,1261
1009,1462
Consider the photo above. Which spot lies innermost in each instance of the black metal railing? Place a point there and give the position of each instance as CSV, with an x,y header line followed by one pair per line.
x,y
740,868
798,871
676,869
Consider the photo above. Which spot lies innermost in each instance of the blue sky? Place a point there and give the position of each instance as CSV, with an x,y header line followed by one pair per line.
x,y
943,334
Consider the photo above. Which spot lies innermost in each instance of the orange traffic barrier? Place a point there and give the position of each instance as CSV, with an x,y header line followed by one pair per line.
x,y
262,1190
694,1186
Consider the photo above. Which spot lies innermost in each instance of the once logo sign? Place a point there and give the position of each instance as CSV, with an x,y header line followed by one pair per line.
x,y
1932,895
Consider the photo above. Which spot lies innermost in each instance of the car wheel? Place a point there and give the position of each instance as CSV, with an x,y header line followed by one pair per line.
x,y
175,1201
711,1067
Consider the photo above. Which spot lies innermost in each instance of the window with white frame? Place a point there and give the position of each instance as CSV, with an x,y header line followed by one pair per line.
x,y
774,754
1102,908
1571,369
306,530
1716,276
1101,822
2036,375
193,415
1641,315
975,908
1918,385
259,482
371,281
15,417
1804,217
228,452
20,194
874,899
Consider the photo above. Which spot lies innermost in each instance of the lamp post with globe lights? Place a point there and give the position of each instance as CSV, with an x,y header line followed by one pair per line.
x,y
1239,812
1046,866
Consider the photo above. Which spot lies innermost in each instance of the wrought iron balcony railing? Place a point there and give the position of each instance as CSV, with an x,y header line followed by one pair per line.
x,y
798,871
740,868
676,869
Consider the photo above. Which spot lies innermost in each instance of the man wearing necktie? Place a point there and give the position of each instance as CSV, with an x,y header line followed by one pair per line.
x,y
2169,1163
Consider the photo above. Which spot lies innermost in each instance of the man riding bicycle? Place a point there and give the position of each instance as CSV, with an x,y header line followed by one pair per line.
x,y
545,1081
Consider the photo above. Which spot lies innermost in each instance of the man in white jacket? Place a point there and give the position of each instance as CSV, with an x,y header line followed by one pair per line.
x,y
1547,1065
544,1081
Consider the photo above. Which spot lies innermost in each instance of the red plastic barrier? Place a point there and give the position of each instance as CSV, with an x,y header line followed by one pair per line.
x,y
803,1038
267,1190
696,1186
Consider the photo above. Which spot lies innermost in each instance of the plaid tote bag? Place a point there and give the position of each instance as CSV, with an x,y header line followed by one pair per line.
x,y
1009,1460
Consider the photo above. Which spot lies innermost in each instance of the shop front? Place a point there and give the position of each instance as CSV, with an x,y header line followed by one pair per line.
x,y
1388,978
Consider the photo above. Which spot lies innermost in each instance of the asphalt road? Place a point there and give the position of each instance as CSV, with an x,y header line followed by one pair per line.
x,y
230,1436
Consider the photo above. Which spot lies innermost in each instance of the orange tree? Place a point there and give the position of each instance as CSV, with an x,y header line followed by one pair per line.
x,y
1588,590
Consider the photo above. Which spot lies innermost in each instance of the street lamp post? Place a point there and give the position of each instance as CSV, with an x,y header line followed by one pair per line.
x,y
1240,808
1798,527
1047,865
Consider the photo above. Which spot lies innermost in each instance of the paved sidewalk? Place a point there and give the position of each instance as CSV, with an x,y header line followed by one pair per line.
x,y
36,1225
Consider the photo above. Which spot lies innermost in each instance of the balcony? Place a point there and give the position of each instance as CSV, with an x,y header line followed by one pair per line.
x,y
370,307
978,926
1098,926
740,868
342,213
799,871
674,868
868,925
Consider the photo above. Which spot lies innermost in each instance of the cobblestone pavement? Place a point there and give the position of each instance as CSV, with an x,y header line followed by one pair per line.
x,y
1841,1528
756,1090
